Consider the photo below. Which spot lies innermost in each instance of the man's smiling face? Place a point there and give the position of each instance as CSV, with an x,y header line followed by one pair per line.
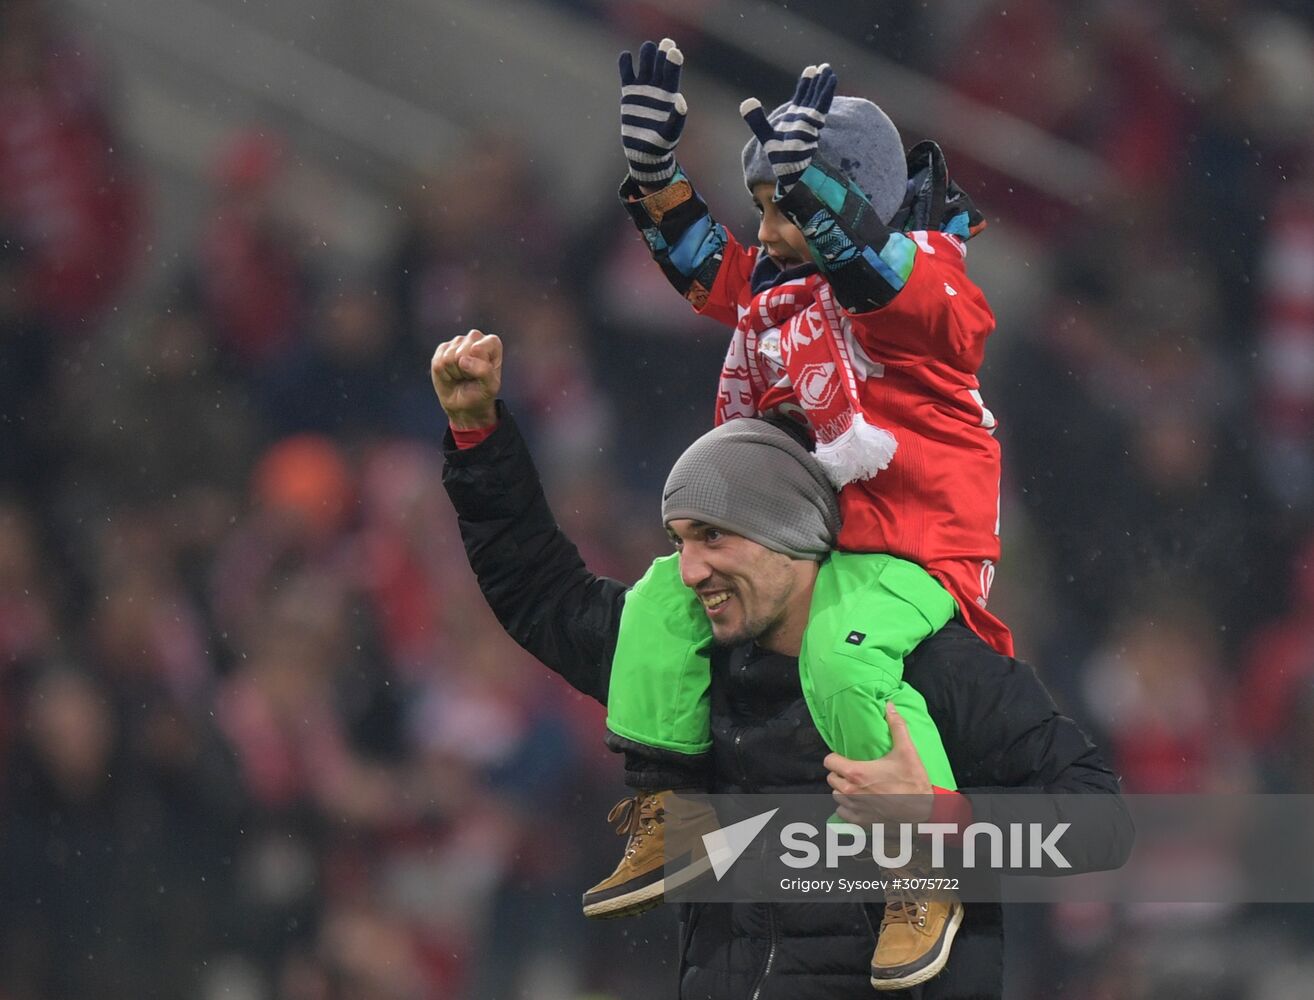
x,y
747,590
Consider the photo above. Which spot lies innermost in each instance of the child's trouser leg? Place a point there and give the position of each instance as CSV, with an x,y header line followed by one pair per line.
x,y
917,929
649,770
856,727
661,673
868,613
658,716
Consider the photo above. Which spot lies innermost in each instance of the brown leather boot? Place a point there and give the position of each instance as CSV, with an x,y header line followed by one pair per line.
x,y
640,879
916,934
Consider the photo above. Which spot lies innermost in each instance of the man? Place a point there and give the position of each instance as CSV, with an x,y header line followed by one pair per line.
x,y
999,726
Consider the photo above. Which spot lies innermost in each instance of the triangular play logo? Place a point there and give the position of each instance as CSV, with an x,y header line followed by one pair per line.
x,y
726,845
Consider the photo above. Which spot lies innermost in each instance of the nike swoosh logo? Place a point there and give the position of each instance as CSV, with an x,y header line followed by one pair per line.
x,y
667,496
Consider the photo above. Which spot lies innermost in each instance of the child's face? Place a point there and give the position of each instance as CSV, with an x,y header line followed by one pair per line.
x,y
779,237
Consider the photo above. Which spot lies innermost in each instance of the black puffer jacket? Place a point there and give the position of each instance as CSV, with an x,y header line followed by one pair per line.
x,y
999,727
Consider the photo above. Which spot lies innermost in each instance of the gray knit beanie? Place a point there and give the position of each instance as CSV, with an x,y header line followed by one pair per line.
x,y
859,139
752,478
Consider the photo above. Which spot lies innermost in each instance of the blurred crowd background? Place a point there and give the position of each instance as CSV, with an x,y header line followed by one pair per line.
x,y
260,738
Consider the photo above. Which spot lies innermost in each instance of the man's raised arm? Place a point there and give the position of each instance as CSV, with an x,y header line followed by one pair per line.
x,y
530,573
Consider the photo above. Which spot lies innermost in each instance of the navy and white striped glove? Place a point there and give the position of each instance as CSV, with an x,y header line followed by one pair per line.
x,y
791,142
652,111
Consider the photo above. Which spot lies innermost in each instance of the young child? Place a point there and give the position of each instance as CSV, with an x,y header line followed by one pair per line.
x,y
856,318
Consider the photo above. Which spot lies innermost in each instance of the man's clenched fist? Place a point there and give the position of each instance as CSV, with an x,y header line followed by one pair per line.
x,y
467,374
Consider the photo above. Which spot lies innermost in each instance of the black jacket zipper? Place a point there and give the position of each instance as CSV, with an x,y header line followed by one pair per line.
x,y
771,952
739,760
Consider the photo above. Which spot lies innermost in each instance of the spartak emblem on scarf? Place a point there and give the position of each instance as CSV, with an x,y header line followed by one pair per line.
x,y
818,375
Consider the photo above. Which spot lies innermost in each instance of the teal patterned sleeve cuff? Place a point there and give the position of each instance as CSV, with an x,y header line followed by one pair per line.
x,y
684,239
866,262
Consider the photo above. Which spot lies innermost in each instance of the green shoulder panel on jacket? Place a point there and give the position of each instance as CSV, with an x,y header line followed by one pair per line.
x,y
869,611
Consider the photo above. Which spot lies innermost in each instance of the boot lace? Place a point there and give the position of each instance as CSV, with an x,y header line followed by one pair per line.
x,y
638,817
903,906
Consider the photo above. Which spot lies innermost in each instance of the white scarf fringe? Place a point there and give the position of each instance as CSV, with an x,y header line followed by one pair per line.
x,y
858,453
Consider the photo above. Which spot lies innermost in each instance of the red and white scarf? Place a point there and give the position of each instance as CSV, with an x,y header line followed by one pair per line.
x,y
785,358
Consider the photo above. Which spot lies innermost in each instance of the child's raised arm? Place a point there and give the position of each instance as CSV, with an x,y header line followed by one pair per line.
x,y
699,257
